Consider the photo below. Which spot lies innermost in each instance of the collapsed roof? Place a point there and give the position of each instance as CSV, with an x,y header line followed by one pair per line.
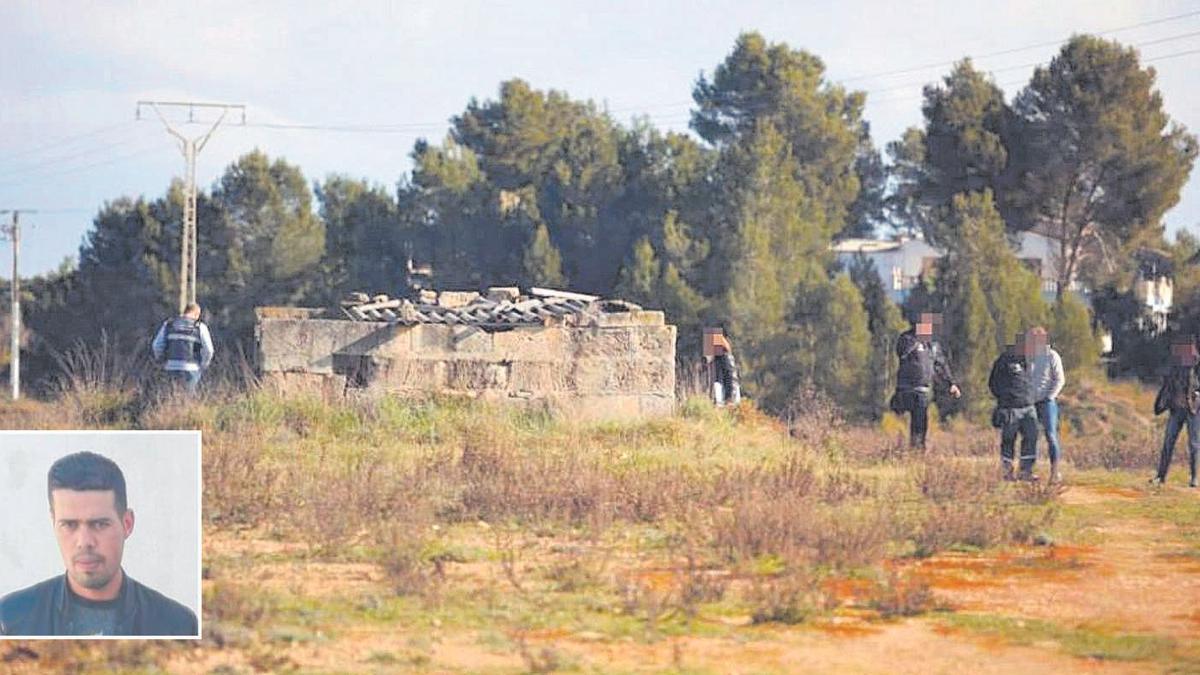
x,y
498,307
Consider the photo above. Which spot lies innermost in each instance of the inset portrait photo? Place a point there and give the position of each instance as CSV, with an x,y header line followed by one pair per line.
x,y
100,534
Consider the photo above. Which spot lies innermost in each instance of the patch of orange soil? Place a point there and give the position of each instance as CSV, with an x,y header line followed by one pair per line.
x,y
909,647
958,571
905,647
1129,581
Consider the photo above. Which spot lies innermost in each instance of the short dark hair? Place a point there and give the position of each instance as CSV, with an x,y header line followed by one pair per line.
x,y
86,471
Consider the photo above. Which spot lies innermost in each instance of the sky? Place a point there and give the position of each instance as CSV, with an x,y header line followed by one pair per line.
x,y
394,72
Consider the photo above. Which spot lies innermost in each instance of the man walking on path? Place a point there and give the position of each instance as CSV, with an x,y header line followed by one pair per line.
x,y
922,363
1180,396
186,345
1048,381
1011,384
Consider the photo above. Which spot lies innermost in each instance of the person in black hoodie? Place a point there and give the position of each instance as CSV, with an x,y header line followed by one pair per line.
x,y
1011,384
1180,395
922,363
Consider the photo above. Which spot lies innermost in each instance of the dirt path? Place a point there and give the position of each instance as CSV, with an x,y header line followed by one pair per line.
x,y
1136,580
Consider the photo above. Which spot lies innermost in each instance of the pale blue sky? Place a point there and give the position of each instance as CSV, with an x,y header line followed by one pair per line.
x,y
77,68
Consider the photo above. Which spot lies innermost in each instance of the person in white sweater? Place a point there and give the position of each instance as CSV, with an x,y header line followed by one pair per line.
x,y
1046,371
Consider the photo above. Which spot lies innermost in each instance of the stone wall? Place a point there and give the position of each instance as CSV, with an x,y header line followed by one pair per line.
x,y
621,365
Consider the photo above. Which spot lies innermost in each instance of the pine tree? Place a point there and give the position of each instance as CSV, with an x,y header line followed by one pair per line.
x,y
973,234
842,345
885,323
639,278
972,340
543,264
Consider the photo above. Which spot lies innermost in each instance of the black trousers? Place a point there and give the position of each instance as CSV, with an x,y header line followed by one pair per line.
x,y
916,403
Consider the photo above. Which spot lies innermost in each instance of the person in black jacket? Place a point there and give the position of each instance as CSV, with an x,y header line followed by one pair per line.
x,y
923,363
1012,385
94,597
1180,396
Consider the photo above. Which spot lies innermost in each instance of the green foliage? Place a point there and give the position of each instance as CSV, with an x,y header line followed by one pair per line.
x,y
827,344
973,234
972,341
1100,156
771,242
536,188
1072,336
968,130
884,323
365,246
263,244
542,262
821,122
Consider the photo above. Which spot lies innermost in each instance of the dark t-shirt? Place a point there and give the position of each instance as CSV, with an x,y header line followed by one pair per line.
x,y
90,617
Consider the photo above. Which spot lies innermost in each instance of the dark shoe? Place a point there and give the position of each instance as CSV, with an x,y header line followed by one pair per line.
x,y
1028,476
1157,481
1192,482
1008,473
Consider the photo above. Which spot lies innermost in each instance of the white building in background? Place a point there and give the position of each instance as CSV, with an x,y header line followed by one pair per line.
x,y
1154,288
900,262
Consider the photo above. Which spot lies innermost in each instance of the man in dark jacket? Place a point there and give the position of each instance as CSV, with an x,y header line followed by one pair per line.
x,y
94,597
923,363
1180,396
1012,385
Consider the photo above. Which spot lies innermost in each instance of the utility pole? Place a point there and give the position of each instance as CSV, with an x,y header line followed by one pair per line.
x,y
190,147
13,233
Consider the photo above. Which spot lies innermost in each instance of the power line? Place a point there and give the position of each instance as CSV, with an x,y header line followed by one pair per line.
x,y
67,140
943,64
87,151
1023,66
1010,83
85,167
354,128
1002,52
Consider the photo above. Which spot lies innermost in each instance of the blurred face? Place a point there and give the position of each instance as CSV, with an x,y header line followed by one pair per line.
x,y
1037,342
1024,346
91,537
1183,354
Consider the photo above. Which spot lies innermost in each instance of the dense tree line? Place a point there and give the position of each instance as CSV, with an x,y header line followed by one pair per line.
x,y
731,226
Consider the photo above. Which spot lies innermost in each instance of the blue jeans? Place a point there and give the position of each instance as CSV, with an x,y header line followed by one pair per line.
x,y
1023,420
1047,414
189,379
1175,423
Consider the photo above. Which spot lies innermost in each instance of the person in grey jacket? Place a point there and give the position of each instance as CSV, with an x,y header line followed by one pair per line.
x,y
1046,371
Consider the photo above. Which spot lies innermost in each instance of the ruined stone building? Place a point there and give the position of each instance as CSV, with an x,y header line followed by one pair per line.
x,y
574,354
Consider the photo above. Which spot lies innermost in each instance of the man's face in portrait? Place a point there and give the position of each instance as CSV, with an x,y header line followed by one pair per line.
x,y
91,537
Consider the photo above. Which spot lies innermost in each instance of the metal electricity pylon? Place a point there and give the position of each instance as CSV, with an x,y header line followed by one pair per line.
x,y
13,233
189,241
